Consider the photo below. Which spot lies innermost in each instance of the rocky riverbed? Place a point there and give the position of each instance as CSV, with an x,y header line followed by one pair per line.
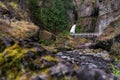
x,y
28,60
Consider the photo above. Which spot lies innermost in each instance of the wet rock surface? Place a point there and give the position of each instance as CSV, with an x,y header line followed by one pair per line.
x,y
84,60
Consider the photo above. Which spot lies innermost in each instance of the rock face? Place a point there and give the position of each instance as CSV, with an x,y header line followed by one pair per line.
x,y
101,13
109,11
108,6
87,8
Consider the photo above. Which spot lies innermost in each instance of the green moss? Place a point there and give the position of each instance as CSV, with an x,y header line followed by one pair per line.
x,y
14,5
116,72
11,74
50,58
10,60
46,42
3,5
13,55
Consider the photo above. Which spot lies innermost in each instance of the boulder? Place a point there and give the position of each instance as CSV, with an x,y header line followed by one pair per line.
x,y
46,35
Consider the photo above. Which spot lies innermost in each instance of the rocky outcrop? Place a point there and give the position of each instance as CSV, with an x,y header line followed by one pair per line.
x,y
15,20
97,15
109,11
18,29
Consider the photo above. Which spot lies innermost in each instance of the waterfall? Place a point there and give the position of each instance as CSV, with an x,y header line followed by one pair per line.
x,y
72,30
101,26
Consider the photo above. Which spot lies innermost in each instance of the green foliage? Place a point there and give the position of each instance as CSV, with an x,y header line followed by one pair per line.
x,y
34,9
51,13
66,33
116,72
69,5
78,29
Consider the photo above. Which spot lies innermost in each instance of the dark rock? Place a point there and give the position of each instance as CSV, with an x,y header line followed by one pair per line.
x,y
106,45
60,70
47,63
5,42
2,46
31,44
30,54
24,62
34,66
93,74
8,41
3,78
39,77
21,42
112,44
117,38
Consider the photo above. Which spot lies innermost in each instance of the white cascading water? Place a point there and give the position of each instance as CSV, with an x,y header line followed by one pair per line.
x,y
101,27
72,30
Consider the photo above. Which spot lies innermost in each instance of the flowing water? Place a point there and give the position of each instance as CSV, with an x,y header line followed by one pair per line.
x,y
72,31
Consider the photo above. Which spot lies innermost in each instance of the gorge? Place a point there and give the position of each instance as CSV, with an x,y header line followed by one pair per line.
x,y
37,41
